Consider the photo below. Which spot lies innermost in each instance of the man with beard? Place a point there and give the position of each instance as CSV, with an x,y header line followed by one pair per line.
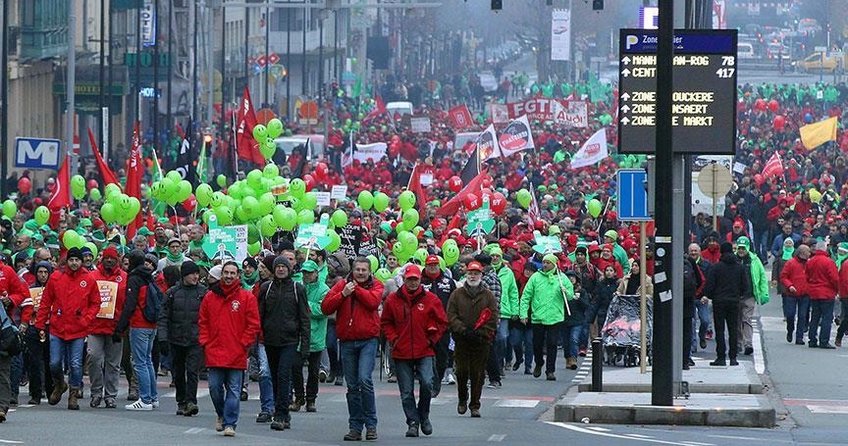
x,y
472,319
104,364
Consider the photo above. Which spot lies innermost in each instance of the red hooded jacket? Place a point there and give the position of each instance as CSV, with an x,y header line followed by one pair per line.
x,y
822,277
12,285
228,325
843,280
794,274
69,304
413,323
356,315
103,326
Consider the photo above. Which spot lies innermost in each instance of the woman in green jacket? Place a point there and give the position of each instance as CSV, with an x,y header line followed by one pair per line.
x,y
315,292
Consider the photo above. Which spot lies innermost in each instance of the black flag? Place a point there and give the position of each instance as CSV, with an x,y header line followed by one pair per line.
x,y
472,167
186,156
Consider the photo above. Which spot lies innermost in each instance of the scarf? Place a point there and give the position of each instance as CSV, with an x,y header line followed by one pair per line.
x,y
840,258
787,252
633,284
247,281
225,290
174,258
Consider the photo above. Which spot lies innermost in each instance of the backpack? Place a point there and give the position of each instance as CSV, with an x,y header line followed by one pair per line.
x,y
11,342
153,304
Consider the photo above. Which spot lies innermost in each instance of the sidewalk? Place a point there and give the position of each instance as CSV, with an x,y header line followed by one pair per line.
x,y
719,396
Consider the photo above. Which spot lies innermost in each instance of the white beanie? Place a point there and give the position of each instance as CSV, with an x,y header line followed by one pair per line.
x,y
216,272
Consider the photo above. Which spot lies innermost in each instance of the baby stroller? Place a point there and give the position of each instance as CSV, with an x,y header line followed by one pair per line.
x,y
622,331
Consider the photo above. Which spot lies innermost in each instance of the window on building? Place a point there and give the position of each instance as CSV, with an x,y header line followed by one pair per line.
x,y
284,16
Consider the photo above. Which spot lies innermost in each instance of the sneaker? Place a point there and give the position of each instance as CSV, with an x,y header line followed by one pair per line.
x,y
734,362
330,377
690,363
96,401
295,405
392,379
191,409
339,382
718,363
451,379
537,371
242,397
371,433
426,427
412,431
827,346
813,344
789,336
310,406
799,342
219,424
155,404
139,406
703,344
280,425
494,385
461,408
517,365
527,371
749,351
475,413
111,403
353,435
34,401
181,407
322,376
229,431
550,376
264,417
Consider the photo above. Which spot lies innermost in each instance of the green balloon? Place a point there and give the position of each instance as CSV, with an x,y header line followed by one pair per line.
x,y
305,217
224,214
410,218
254,248
285,218
218,199
594,207
408,240
70,239
260,132
309,201
94,195
174,176
78,187
271,171
450,253
335,241
297,187
398,250
267,148
254,178
421,255
111,188
383,275
107,212
365,200
252,233
375,264
275,128
184,191
339,218
406,200
381,202
266,203
42,214
221,180
250,206
10,209
267,227
203,194
523,197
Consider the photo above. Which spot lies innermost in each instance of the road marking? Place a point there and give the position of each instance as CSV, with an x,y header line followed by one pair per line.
x,y
827,409
639,436
803,402
734,437
527,404
24,406
598,429
11,442
611,435
497,437
194,430
697,443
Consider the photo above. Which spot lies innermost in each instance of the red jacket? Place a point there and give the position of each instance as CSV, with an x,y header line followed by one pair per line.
x,y
356,315
228,325
12,285
69,304
794,273
413,323
822,277
602,263
843,281
102,326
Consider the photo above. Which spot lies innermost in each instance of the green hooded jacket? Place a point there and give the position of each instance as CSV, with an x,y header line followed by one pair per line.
x,y
509,291
315,293
543,297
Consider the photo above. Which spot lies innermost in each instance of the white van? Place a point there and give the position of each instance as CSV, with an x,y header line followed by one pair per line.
x,y
745,50
399,108
288,143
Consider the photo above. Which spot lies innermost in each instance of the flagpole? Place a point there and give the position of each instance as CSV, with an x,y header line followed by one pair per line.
x,y
235,145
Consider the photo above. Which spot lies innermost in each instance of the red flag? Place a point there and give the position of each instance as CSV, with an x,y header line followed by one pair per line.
x,y
415,185
773,167
378,110
61,197
454,204
135,172
106,173
247,148
460,117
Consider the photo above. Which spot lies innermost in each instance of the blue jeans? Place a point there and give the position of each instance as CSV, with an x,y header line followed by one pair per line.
x,y
141,344
358,364
797,307
702,313
502,350
73,348
15,373
266,387
224,389
571,340
405,372
521,339
589,317
333,349
821,319
761,244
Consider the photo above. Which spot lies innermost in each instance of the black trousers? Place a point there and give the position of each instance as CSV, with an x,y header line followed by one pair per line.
x,y
470,363
186,362
726,317
280,361
688,316
442,357
313,364
37,364
545,339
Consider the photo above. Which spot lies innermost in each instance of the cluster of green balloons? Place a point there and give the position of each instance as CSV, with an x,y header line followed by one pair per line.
x,y
119,207
595,207
379,201
265,135
70,239
524,198
171,189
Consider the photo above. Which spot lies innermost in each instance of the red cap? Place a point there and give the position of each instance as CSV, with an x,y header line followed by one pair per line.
x,y
431,260
412,271
474,266
110,252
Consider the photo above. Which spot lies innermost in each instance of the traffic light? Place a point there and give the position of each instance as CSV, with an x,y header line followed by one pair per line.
x,y
497,5
597,5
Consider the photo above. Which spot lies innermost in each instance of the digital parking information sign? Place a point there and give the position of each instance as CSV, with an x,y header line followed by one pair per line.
x,y
703,97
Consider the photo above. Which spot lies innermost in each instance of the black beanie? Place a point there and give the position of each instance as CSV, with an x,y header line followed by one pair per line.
x,y
725,248
268,261
281,260
188,267
250,261
74,253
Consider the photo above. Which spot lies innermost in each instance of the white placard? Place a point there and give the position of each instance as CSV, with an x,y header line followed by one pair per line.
x,y
560,34
323,198
339,192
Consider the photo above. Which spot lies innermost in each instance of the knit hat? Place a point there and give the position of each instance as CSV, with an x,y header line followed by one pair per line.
x,y
744,241
280,260
550,258
74,253
151,258
611,234
268,261
251,262
843,246
174,240
188,267
215,272
725,248
496,250
110,252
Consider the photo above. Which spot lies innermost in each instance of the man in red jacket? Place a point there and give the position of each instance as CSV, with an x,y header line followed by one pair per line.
x,y
69,304
796,301
228,325
355,302
822,286
104,365
13,291
413,321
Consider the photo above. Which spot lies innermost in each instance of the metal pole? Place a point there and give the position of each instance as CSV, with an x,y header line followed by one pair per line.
x,y
662,388
194,21
267,50
102,78
108,133
288,67
321,60
597,365
223,72
643,300
303,55
336,46
156,75
170,67
4,110
137,91
70,86
246,45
